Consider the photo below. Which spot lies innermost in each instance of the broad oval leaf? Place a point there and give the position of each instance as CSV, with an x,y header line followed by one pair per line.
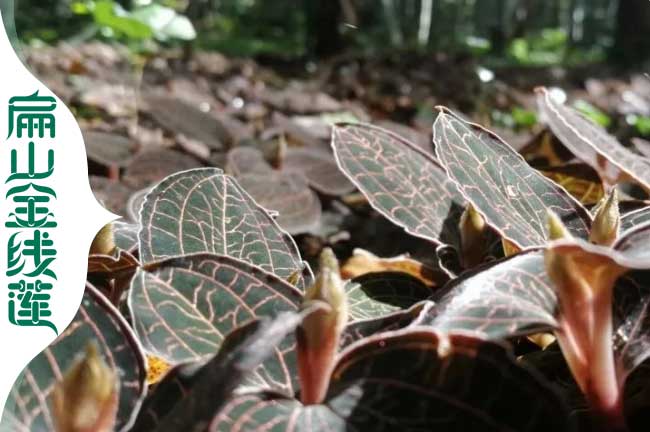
x,y
205,210
151,166
320,169
287,193
96,322
181,118
592,144
183,309
512,197
191,393
498,300
401,181
412,380
373,295
107,148
245,160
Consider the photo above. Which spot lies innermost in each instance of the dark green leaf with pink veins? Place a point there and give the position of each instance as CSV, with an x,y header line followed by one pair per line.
x,y
192,393
454,383
401,181
97,321
498,300
183,309
593,144
512,196
635,218
204,210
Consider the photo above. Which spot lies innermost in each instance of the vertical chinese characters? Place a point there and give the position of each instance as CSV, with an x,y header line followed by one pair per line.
x,y
30,248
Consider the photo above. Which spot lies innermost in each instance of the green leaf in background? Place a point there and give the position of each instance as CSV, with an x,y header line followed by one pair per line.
x,y
524,118
204,210
451,383
592,113
96,322
512,196
183,309
191,393
641,123
401,181
165,22
112,15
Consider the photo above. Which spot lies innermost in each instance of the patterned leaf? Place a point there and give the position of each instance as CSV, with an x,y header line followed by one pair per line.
x,y
121,261
633,244
98,322
374,295
134,204
288,194
635,218
192,393
204,210
512,197
402,182
631,317
498,300
360,329
592,144
183,309
125,235
412,380
319,168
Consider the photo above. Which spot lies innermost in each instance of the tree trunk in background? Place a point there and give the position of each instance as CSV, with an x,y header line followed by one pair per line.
x,y
323,36
632,44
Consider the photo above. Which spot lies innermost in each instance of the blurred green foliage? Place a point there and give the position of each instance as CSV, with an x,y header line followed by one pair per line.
x,y
146,21
592,113
528,32
641,124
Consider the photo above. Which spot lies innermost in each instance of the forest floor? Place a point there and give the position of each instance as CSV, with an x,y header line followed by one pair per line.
x,y
143,120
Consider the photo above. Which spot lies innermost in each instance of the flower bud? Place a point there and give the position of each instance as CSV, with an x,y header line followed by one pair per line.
x,y
472,237
86,399
607,221
318,336
104,241
556,228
